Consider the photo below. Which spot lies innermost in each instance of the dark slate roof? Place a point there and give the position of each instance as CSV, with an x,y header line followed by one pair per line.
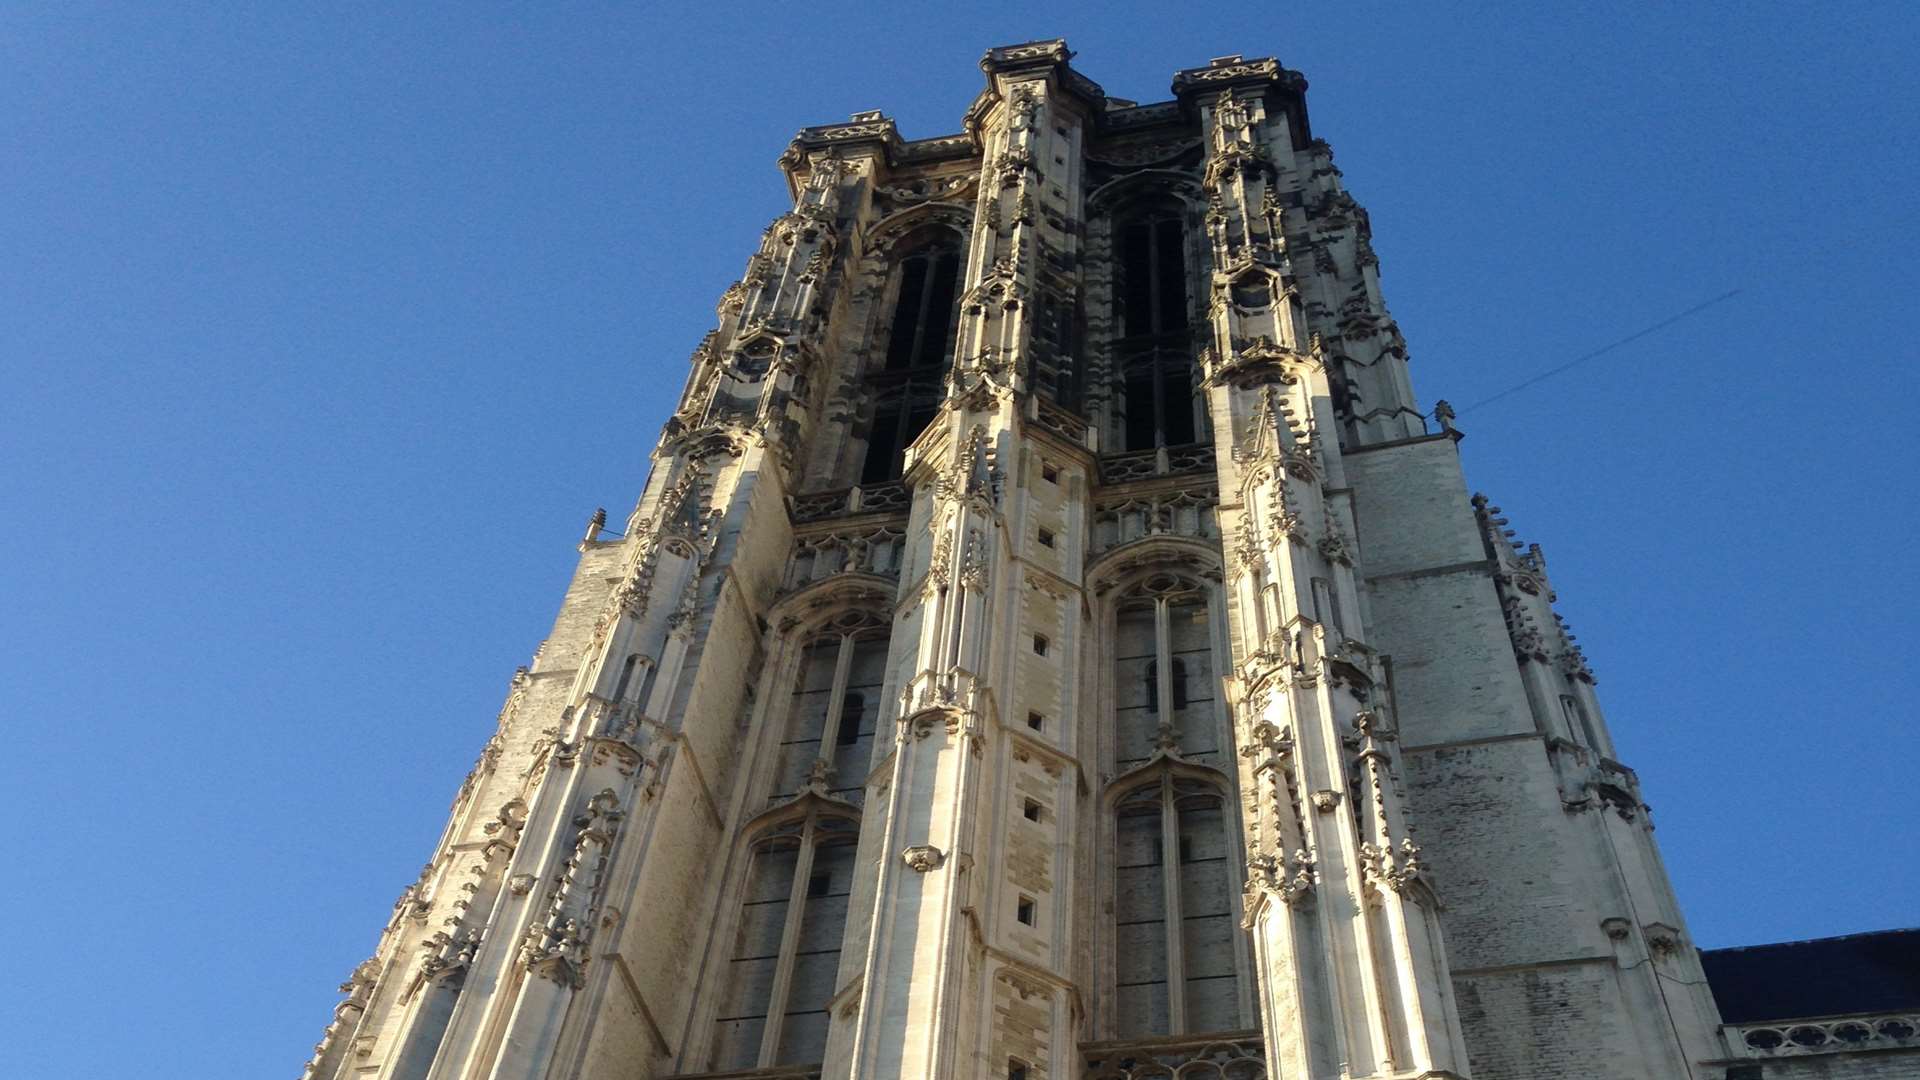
x,y
1859,973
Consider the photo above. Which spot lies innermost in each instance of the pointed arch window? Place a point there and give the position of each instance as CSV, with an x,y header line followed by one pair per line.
x,y
833,709
919,333
1177,946
626,678
1153,356
784,958
785,954
1178,961
1163,672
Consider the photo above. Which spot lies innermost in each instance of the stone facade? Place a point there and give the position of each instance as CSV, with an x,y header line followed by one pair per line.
x,y
1052,642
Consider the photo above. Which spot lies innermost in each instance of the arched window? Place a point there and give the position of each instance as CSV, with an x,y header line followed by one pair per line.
x,y
835,704
784,959
907,388
1164,690
1153,355
1176,942
786,948
919,333
1178,960
834,708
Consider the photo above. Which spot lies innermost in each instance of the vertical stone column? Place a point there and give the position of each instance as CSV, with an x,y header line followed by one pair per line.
x,y
948,988
1353,975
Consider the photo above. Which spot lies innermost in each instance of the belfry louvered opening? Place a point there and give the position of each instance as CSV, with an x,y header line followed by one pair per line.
x,y
906,387
1153,347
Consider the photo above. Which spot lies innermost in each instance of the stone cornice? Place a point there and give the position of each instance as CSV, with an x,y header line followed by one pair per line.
x,y
1049,56
1230,72
1130,118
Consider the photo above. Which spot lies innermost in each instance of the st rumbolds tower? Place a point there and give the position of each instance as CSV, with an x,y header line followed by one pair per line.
x,y
1051,644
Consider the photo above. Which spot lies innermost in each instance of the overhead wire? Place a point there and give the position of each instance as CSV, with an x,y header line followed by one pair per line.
x,y
1601,351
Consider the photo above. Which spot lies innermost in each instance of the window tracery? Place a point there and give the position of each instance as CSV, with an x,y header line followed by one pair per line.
x,y
1176,939
907,387
1179,959
785,954
833,709
1153,349
1163,667
783,958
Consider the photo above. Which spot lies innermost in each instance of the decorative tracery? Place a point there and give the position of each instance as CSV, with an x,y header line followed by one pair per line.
x,y
797,857
834,707
907,381
1149,347
1164,681
785,954
1177,958
1177,941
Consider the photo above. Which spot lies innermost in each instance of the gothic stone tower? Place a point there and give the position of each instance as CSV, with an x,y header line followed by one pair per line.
x,y
1051,644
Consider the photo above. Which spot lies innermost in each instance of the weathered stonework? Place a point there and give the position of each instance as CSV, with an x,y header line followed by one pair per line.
x,y
1053,643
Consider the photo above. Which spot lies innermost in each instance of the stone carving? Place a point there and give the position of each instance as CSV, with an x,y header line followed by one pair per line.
x,y
1391,868
971,477
1165,461
875,550
1231,1058
973,564
1662,940
555,946
1180,512
1288,877
1333,547
446,956
1884,1031
929,189
923,857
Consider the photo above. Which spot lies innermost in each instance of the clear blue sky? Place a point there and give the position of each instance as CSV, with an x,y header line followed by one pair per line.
x,y
323,328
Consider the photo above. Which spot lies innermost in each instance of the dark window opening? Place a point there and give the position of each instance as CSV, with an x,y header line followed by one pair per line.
x,y
1155,357
923,310
626,677
1036,721
1024,911
896,423
909,385
850,711
1031,810
819,885
1040,644
1055,333
1179,683
1153,278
